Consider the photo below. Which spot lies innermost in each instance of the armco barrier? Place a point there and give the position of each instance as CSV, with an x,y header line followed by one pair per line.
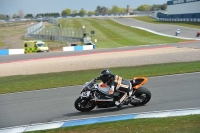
x,y
78,48
11,51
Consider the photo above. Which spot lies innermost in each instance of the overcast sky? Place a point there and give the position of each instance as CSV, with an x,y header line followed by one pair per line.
x,y
10,7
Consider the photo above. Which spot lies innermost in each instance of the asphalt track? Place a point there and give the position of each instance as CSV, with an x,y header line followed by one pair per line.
x,y
168,92
160,28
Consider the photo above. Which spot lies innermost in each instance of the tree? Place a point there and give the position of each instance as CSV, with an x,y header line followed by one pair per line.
x,y
98,10
104,10
66,12
4,17
29,16
47,15
7,17
159,7
82,12
74,12
21,13
163,7
15,16
144,7
91,13
115,9
101,10
41,15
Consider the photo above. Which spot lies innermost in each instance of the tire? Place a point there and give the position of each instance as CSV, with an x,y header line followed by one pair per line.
x,y
80,108
140,93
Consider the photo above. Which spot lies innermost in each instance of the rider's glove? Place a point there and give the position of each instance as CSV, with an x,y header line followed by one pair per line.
x,y
98,78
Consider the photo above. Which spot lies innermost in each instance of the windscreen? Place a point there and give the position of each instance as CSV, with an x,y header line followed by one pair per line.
x,y
41,45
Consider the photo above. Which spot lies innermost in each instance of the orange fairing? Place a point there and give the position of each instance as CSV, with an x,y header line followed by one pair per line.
x,y
142,80
103,85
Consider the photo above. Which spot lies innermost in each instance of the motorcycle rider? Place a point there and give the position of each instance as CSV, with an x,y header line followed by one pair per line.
x,y
116,83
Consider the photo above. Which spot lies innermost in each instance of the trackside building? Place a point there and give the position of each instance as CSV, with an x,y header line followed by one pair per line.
x,y
182,9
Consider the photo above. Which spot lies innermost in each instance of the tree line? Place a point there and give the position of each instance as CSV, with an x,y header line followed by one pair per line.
x,y
154,7
98,11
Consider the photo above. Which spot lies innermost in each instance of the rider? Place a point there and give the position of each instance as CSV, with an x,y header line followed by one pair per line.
x,y
116,83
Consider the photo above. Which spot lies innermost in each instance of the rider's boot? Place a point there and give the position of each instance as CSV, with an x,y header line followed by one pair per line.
x,y
119,105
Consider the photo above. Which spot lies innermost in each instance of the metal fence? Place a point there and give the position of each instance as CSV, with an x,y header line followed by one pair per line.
x,y
34,29
53,21
64,35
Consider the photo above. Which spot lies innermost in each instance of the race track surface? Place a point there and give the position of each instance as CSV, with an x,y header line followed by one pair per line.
x,y
168,92
160,28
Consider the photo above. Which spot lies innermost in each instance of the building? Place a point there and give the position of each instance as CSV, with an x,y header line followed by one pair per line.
x,y
182,9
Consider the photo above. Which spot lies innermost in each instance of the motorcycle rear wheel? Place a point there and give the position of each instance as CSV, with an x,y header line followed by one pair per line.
x,y
144,95
84,105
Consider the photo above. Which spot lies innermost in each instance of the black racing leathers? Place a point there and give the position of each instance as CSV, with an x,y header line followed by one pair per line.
x,y
116,83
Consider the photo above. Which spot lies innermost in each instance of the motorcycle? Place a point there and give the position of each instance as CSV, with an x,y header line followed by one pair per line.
x,y
94,95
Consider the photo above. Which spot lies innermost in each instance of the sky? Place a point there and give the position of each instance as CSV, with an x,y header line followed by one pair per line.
x,y
10,7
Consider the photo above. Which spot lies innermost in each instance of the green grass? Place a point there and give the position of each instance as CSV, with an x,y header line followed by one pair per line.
x,y
154,21
181,124
110,34
21,83
10,29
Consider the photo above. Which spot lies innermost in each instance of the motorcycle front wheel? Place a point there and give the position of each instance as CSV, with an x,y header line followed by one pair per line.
x,y
84,105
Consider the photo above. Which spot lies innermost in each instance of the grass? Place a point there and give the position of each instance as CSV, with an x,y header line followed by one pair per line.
x,y
11,29
180,124
110,34
21,83
155,21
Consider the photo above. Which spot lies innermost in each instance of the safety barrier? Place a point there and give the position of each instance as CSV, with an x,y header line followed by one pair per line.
x,y
11,51
70,48
78,48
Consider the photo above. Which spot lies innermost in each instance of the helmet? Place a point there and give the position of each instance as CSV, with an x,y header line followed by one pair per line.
x,y
105,75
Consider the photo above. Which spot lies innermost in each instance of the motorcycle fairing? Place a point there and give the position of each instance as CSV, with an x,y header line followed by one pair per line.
x,y
137,82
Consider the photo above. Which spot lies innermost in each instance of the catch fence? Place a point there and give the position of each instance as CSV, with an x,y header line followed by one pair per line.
x,y
55,33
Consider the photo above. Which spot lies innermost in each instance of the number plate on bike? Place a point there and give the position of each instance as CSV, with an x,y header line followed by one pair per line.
x,y
85,94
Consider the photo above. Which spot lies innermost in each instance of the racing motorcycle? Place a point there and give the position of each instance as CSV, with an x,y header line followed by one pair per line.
x,y
94,95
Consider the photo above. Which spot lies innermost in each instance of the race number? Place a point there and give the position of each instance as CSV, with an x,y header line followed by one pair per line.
x,y
85,94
